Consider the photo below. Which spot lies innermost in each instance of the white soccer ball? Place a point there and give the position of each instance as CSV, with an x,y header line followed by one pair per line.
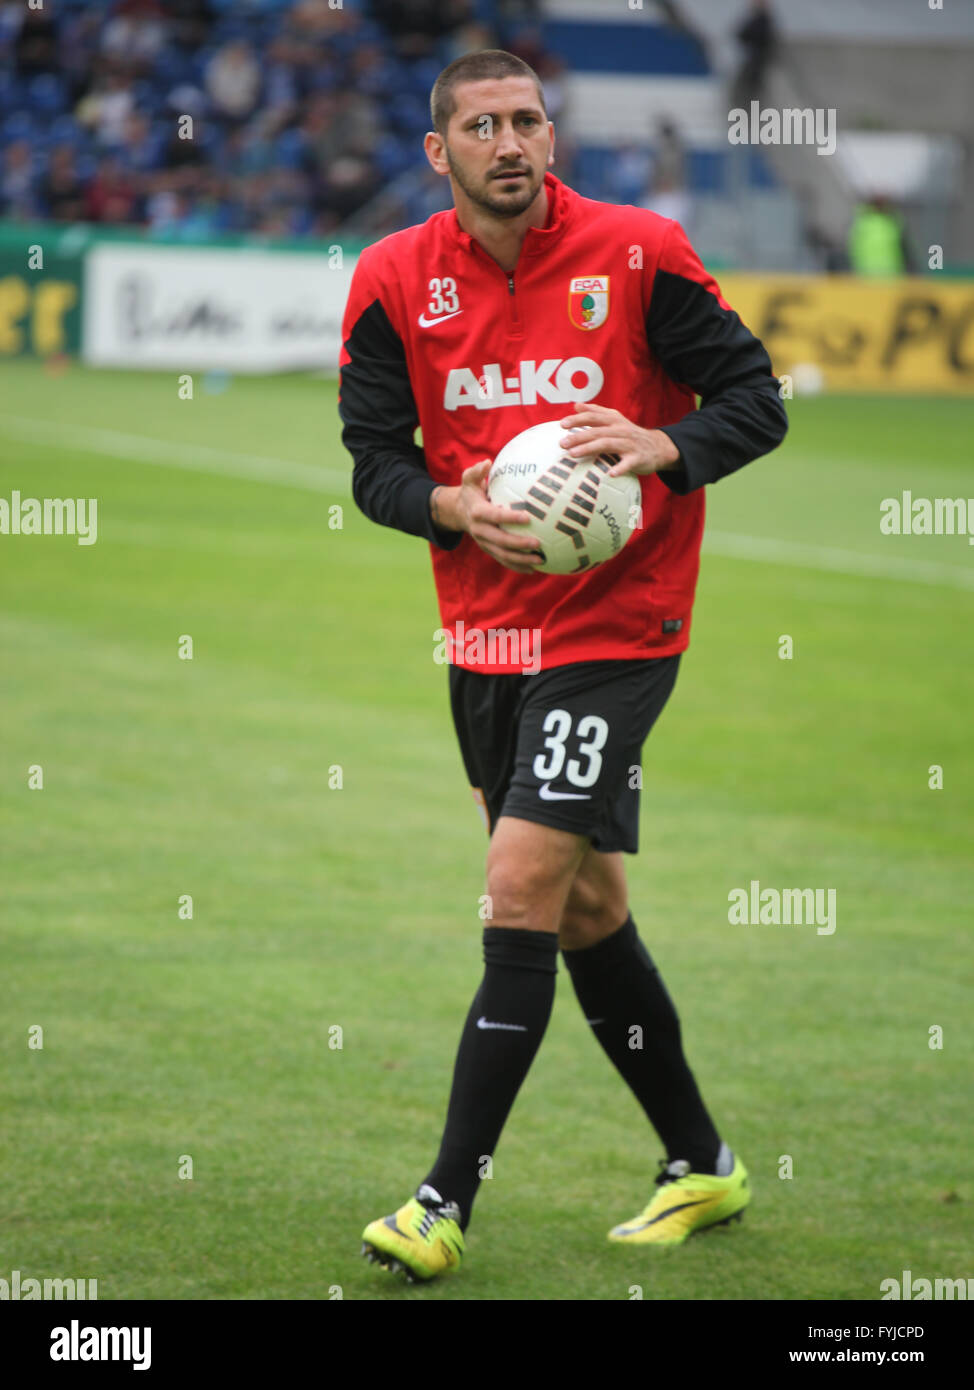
x,y
579,516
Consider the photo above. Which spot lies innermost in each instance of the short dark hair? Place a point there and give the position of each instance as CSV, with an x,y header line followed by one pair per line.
x,y
475,67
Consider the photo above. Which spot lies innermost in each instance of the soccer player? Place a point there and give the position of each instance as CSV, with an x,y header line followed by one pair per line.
x,y
528,303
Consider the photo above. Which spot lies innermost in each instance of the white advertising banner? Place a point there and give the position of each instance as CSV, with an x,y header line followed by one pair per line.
x,y
190,308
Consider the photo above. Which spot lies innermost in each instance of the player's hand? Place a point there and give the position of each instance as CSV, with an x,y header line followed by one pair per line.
x,y
609,432
482,520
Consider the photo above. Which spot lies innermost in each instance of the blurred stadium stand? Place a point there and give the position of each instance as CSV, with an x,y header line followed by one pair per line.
x,y
307,119
898,75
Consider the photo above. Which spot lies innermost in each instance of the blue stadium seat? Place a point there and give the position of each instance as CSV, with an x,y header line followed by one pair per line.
x,y
47,93
39,110
760,173
289,149
591,164
11,90
171,67
65,130
408,114
370,32
199,62
634,48
707,171
145,91
19,125
86,164
232,27
421,75
393,156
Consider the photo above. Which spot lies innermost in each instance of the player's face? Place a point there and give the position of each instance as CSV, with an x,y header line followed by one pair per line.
x,y
499,144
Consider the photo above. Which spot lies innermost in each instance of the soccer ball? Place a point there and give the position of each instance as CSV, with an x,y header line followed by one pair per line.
x,y
579,515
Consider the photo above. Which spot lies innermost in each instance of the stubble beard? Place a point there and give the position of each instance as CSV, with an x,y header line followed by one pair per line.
x,y
507,205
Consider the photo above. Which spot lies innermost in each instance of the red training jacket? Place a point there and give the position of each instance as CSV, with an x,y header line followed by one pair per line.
x,y
437,334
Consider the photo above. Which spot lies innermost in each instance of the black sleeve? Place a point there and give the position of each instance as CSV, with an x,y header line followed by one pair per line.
x,y
390,481
704,346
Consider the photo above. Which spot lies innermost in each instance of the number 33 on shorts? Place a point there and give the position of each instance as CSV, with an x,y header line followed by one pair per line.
x,y
591,732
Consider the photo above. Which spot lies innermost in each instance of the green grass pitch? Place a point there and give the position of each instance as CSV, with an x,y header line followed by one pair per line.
x,y
315,906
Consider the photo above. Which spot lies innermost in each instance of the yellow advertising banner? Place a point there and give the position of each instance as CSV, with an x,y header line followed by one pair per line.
x,y
850,334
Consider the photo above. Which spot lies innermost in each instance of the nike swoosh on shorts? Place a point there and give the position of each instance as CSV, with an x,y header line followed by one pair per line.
x,y
547,794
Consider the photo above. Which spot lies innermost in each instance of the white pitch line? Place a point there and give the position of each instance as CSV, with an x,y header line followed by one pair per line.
x,y
139,448
195,458
730,545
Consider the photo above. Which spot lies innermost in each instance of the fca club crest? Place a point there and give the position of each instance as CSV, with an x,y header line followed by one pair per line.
x,y
588,300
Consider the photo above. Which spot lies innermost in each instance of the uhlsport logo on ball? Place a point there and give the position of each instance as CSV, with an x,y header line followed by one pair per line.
x,y
579,515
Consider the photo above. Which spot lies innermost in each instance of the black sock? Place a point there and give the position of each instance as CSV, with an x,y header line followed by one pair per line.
x,y
620,989
503,1032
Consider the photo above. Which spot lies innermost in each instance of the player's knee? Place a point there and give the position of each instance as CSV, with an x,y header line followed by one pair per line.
x,y
522,892
579,930
590,915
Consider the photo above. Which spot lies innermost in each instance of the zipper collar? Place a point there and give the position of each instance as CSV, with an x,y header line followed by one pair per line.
x,y
561,206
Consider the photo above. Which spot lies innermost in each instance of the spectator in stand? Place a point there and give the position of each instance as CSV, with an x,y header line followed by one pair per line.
x,y
629,173
368,72
286,201
878,243
184,146
162,207
62,190
190,22
415,27
36,46
247,151
11,18
138,149
136,33
251,192
78,50
274,223
358,126
202,213
302,121
284,84
315,20
551,70
18,197
111,197
527,44
233,81
108,107
468,38
758,36
337,124
184,202
433,195
346,185
520,12
667,193
323,224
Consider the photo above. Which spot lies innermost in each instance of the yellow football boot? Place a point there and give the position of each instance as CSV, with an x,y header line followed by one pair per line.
x,y
418,1241
686,1202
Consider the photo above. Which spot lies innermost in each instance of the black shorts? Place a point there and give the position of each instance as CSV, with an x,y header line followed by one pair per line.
x,y
562,747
